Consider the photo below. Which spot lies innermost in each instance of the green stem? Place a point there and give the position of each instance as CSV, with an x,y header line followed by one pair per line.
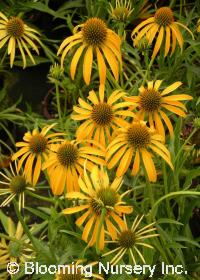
x,y
3,58
102,218
58,105
172,194
121,30
25,227
147,71
166,188
40,197
8,237
149,186
173,2
186,141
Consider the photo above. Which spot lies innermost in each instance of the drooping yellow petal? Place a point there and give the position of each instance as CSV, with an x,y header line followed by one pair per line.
x,y
102,238
178,34
3,41
163,155
67,49
167,122
27,51
125,162
111,229
158,42
87,65
136,164
31,43
185,27
139,26
20,152
152,33
58,181
159,125
167,40
37,170
118,221
75,60
115,159
115,50
142,33
82,219
101,66
68,41
11,50
95,231
173,43
149,165
22,53
88,228
174,110
111,59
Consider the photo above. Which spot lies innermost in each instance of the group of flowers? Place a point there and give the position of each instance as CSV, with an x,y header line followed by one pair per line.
x,y
116,131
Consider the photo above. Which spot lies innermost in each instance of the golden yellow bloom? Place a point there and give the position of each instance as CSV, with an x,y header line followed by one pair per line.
x,y
198,26
134,142
130,239
15,185
34,150
18,34
99,195
152,102
77,271
122,10
101,117
164,24
66,162
15,248
94,38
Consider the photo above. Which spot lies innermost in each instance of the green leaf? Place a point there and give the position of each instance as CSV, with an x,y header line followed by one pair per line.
x,y
38,213
7,223
168,221
184,239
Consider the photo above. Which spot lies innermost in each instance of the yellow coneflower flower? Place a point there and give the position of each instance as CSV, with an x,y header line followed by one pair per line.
x,y
162,23
77,271
101,117
152,103
94,38
15,185
15,248
122,10
35,148
130,239
66,162
99,195
198,25
134,142
18,34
